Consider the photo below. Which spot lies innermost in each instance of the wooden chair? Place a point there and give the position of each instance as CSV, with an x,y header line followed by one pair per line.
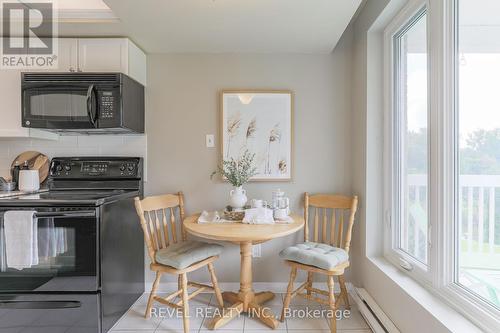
x,y
156,213
333,233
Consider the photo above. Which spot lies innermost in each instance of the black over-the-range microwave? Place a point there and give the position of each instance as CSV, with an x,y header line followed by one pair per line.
x,y
100,103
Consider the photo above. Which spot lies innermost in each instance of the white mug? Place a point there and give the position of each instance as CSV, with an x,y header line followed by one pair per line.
x,y
29,180
257,203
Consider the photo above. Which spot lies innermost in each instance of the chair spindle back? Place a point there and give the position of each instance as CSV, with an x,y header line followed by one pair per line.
x,y
157,215
336,209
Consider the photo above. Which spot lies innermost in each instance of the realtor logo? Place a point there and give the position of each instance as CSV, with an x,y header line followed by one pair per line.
x,y
29,31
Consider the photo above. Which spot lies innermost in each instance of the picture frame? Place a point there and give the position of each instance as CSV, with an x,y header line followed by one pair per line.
x,y
260,121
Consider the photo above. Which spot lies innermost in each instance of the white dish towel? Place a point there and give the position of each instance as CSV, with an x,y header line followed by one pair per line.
x,y
21,238
209,217
212,217
258,216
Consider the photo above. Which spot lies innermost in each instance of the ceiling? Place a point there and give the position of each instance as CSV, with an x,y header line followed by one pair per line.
x,y
224,26
78,4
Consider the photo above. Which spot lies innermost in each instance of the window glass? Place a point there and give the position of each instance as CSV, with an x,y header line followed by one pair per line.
x,y
412,137
478,67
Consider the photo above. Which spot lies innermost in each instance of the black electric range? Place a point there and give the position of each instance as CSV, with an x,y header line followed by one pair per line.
x,y
90,264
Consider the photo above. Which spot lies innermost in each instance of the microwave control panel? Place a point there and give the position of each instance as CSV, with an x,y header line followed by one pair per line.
x,y
107,105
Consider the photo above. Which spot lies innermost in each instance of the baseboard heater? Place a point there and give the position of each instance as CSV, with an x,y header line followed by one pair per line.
x,y
373,314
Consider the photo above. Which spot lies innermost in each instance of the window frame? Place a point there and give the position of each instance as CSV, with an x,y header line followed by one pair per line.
x,y
442,46
468,303
413,11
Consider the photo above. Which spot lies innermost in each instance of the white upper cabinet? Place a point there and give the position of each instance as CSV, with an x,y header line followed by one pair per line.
x,y
103,55
112,55
68,55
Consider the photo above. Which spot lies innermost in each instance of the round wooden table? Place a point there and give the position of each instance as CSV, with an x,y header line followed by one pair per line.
x,y
245,235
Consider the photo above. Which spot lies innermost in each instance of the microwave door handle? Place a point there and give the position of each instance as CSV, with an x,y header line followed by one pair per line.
x,y
90,112
95,104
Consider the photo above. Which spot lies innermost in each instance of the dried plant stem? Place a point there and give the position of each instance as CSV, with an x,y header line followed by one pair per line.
x,y
274,136
233,125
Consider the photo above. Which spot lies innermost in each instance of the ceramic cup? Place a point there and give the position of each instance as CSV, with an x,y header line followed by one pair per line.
x,y
280,213
257,203
29,180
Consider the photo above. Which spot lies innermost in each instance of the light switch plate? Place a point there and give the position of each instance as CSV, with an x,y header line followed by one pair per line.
x,y
210,141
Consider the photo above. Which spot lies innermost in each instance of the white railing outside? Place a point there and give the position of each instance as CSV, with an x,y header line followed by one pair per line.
x,y
477,198
414,231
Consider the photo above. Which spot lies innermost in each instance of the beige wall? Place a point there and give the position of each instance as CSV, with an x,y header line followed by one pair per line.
x,y
182,104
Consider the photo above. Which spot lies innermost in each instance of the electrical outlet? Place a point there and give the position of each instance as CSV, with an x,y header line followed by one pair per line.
x,y
256,251
210,140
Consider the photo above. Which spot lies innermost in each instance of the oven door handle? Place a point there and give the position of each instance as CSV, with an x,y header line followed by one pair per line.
x,y
39,305
80,213
91,106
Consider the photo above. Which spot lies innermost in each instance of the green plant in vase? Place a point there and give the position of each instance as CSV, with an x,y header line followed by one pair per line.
x,y
238,172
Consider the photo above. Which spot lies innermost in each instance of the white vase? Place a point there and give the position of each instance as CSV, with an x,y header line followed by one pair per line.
x,y
238,198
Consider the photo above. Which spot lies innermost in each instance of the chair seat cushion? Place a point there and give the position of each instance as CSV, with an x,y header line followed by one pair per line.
x,y
184,254
315,254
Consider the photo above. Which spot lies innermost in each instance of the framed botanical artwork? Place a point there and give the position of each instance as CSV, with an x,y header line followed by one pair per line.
x,y
260,122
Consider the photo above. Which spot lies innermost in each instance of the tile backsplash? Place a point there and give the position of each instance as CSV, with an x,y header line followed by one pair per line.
x,y
91,145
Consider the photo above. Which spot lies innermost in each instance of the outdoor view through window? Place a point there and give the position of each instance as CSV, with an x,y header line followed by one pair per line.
x,y
478,205
412,139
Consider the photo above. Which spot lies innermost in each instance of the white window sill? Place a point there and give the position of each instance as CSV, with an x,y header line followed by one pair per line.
x,y
433,304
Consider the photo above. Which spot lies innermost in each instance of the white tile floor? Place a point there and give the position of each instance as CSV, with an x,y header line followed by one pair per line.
x,y
202,306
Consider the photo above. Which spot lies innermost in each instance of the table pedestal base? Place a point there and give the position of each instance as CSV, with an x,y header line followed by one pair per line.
x,y
253,307
246,300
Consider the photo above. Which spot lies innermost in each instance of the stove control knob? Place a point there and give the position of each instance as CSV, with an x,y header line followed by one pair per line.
x,y
131,167
58,167
122,167
67,167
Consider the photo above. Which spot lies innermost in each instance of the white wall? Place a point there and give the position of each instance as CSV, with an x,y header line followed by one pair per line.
x,y
183,107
